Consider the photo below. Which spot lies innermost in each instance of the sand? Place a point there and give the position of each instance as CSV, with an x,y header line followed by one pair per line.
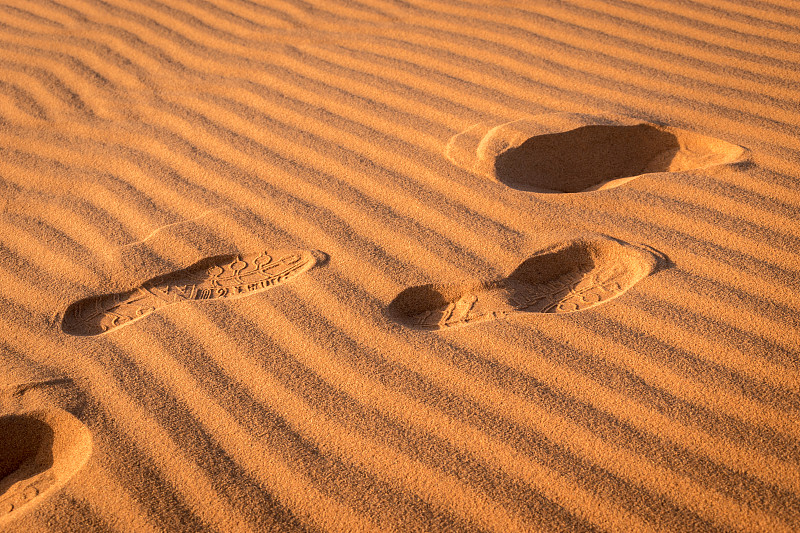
x,y
430,265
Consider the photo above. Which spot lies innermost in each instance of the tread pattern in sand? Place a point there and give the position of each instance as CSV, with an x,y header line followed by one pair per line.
x,y
570,153
571,277
223,276
673,408
39,451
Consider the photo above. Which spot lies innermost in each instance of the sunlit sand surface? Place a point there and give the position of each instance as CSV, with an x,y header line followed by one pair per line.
x,y
431,265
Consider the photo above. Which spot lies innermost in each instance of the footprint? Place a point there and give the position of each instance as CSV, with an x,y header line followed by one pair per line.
x,y
564,278
222,276
39,452
566,153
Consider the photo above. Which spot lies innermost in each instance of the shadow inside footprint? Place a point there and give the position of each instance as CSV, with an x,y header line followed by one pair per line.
x,y
566,153
38,451
565,278
222,276
26,449
580,159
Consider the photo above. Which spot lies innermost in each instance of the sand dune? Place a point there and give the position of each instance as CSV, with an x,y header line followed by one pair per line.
x,y
603,191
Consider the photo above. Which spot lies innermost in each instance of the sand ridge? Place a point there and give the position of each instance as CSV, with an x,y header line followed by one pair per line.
x,y
560,265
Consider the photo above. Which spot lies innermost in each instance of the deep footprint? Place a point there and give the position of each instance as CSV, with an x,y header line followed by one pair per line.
x,y
39,452
565,278
222,276
564,153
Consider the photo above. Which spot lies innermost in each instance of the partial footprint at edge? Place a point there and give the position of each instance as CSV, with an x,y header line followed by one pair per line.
x,y
39,452
569,153
564,278
222,276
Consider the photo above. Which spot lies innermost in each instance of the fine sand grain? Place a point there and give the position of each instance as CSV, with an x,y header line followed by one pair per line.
x,y
436,265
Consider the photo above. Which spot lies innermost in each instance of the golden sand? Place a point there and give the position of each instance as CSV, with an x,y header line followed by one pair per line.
x,y
436,265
